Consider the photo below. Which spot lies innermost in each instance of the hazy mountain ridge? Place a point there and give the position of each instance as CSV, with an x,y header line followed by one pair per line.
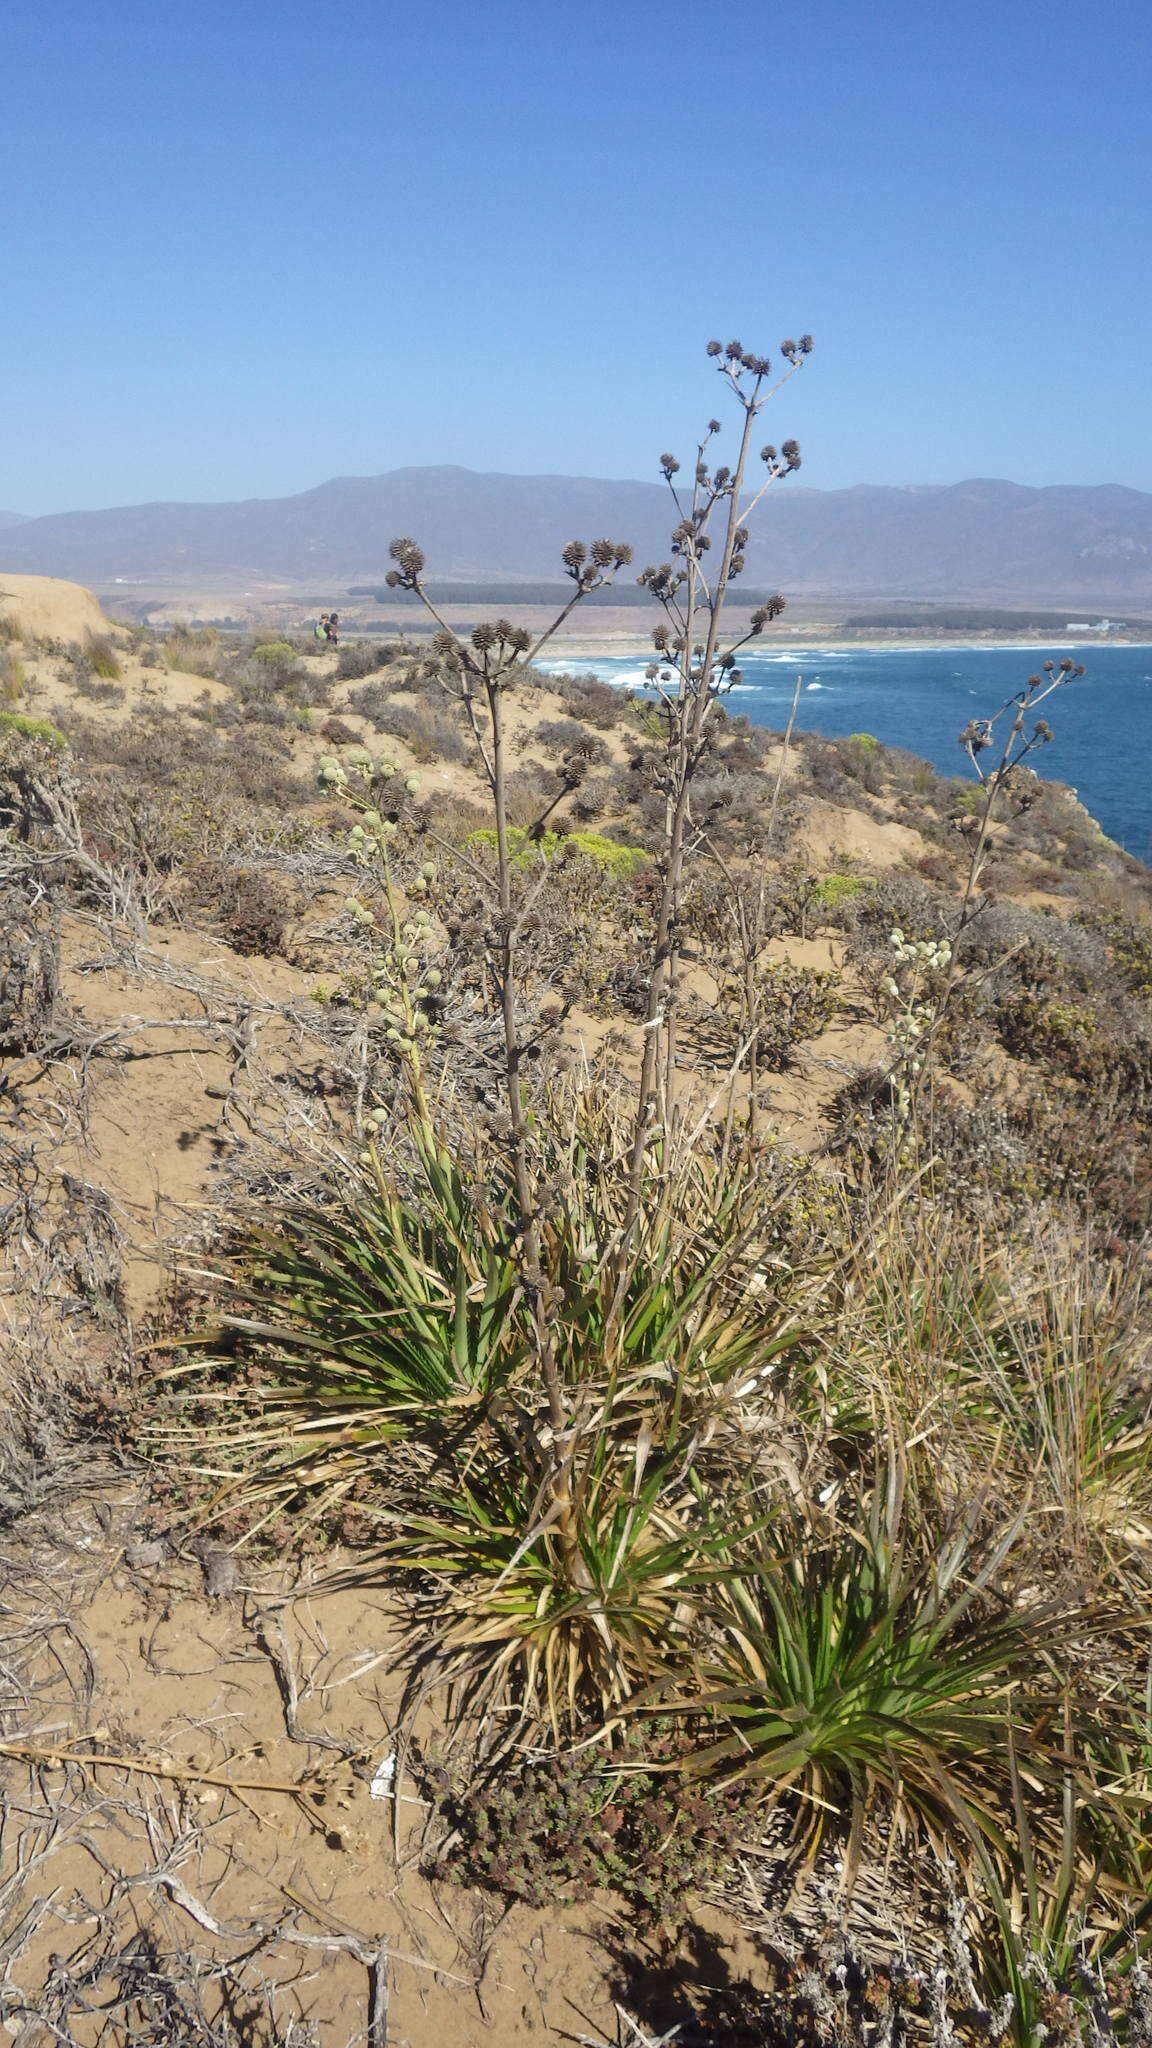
x,y
983,539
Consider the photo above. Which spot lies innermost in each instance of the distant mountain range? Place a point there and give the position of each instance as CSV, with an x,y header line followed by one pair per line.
x,y
982,541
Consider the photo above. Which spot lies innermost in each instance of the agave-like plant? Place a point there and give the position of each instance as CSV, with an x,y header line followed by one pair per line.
x,y
839,1664
1060,1929
379,1315
515,1619
1076,1414
400,1312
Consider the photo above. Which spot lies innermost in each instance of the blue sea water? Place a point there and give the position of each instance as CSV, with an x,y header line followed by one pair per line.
x,y
921,698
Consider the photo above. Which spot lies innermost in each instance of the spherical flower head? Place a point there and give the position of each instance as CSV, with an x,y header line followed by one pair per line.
x,y
412,784
574,557
715,348
409,560
483,638
669,466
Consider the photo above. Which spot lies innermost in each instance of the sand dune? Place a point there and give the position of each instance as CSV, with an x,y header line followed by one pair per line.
x,y
52,609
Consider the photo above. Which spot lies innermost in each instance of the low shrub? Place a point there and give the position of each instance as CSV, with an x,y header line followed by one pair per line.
x,y
431,730
275,654
591,701
568,736
609,854
836,893
1129,946
32,728
102,658
12,678
250,908
557,1831
360,658
96,691
372,698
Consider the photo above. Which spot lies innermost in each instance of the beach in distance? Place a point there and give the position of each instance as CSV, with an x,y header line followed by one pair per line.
x,y
921,697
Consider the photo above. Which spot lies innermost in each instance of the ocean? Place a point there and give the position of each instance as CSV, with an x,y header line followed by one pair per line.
x,y
921,698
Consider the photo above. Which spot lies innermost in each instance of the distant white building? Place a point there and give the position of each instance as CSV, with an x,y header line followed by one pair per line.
x,y
1098,626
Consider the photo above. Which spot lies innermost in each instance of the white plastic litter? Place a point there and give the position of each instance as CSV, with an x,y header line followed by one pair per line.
x,y
381,1786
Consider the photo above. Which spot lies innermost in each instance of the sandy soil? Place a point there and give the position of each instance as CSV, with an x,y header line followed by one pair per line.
x,y
52,609
229,1800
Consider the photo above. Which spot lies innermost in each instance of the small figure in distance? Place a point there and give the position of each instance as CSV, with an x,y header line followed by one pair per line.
x,y
320,630
333,629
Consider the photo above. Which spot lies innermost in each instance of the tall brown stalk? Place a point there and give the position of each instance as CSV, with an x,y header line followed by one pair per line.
x,y
478,672
699,671
1019,742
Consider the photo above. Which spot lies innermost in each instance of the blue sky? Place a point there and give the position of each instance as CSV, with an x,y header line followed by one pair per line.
x,y
252,246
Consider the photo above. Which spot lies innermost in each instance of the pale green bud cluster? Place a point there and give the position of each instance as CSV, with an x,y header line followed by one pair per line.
x,y
924,953
403,976
911,1013
369,835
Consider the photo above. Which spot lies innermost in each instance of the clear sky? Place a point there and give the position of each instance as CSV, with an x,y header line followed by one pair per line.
x,y
249,246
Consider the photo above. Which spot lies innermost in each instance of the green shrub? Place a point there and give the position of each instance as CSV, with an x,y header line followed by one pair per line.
x,y
31,728
836,892
864,742
274,654
849,1663
622,861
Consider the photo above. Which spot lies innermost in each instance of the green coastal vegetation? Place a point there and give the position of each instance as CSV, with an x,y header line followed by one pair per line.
x,y
765,1509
